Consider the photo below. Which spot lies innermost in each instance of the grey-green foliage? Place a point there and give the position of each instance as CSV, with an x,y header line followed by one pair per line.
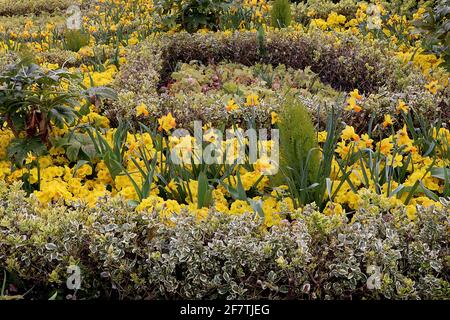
x,y
136,255
130,255
281,14
137,81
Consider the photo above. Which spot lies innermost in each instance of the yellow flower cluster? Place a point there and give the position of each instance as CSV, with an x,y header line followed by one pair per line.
x,y
353,100
96,79
426,62
417,168
60,180
251,100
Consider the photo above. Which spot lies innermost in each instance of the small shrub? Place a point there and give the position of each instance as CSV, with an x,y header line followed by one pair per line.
x,y
74,40
147,76
344,66
191,15
299,152
281,14
60,57
22,7
137,81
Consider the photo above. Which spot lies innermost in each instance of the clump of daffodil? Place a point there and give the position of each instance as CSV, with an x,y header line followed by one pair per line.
x,y
353,100
252,100
167,123
231,105
142,110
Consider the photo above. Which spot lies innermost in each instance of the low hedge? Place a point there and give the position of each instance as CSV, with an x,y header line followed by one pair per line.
x,y
343,61
345,66
375,254
349,65
13,7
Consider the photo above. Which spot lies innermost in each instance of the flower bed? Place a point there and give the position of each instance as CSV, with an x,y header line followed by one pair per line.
x,y
115,140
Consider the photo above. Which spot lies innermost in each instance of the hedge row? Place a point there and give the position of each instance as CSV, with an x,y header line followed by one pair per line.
x,y
348,65
123,254
343,61
22,7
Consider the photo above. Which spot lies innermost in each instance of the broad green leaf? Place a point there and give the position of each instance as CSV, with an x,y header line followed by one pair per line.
x,y
440,173
18,149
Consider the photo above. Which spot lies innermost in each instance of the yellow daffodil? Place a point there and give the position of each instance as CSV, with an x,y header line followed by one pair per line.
x,y
385,146
433,86
167,123
274,117
402,107
394,162
322,136
30,158
365,141
142,110
355,94
387,121
231,105
349,134
252,100
342,149
352,101
402,137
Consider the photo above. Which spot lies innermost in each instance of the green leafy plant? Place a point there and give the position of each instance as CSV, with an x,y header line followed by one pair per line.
x,y
113,156
74,40
281,14
78,146
204,191
299,151
34,100
434,27
193,14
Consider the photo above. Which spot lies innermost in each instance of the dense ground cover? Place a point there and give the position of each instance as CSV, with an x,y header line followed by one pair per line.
x,y
355,206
